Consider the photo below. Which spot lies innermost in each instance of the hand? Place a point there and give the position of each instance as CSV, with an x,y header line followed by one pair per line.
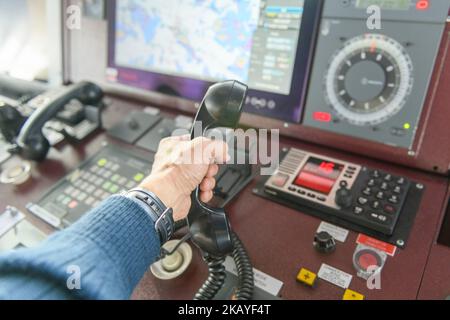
x,y
180,166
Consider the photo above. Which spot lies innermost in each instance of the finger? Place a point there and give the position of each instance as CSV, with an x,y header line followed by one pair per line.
x,y
212,171
216,151
208,184
206,196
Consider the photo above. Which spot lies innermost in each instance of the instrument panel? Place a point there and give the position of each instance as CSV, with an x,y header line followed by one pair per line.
x,y
373,85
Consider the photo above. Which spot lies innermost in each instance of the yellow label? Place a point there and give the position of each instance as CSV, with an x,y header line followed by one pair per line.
x,y
352,295
307,277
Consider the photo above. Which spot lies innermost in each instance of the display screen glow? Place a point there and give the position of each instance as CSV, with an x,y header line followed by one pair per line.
x,y
319,175
385,4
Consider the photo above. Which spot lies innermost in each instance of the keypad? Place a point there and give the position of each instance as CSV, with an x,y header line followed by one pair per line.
x,y
104,175
380,197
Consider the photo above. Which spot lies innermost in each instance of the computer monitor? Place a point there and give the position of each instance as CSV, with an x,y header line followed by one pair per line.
x,y
180,47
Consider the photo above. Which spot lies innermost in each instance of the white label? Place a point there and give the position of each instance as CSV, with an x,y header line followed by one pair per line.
x,y
335,276
9,221
262,280
44,215
340,234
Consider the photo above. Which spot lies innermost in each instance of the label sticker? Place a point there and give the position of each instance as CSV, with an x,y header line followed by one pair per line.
x,y
377,244
335,276
262,280
340,234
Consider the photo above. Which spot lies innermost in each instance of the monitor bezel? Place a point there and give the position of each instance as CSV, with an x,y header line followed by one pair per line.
x,y
194,90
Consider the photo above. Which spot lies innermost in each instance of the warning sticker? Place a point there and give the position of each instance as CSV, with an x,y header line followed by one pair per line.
x,y
377,244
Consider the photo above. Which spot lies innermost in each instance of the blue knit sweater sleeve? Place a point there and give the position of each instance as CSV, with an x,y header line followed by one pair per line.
x,y
102,256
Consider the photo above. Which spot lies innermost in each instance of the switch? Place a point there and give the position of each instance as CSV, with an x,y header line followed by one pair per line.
x,y
324,242
306,277
352,295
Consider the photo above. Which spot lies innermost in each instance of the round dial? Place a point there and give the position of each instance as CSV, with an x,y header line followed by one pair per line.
x,y
369,79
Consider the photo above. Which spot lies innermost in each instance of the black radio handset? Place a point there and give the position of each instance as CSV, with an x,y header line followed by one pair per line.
x,y
31,142
221,108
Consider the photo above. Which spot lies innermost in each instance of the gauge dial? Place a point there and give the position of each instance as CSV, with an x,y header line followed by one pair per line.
x,y
369,79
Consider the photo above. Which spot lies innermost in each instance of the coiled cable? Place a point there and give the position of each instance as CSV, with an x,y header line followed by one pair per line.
x,y
217,275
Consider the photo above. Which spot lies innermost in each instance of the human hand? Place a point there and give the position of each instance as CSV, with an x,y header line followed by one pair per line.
x,y
180,166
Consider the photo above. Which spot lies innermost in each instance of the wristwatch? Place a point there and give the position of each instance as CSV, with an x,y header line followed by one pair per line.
x,y
158,212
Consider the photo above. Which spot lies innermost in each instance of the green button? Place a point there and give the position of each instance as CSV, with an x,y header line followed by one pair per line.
x,y
139,177
114,189
115,178
107,185
102,162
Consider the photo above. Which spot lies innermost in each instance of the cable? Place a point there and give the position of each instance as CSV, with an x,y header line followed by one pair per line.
x,y
244,269
217,275
215,279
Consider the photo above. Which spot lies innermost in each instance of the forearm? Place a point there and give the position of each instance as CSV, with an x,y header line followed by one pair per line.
x,y
112,246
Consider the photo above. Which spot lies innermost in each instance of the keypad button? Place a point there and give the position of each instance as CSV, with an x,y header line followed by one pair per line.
x,y
66,201
73,204
292,189
351,168
311,195
95,169
384,186
380,195
371,183
102,162
107,174
98,193
397,189
99,182
362,200
90,201
130,185
107,185
375,173
367,191
358,210
375,205
139,177
90,189
75,193
390,209
92,179
378,217
122,180
321,198
115,167
348,176
84,185
400,181
69,190
114,188
115,178
82,196
388,177
301,192
393,199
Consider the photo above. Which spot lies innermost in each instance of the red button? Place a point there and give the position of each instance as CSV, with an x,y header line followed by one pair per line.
x,y
367,260
422,5
73,204
322,116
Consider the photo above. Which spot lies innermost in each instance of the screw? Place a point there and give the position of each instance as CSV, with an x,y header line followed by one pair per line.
x,y
286,125
411,153
400,242
255,190
285,149
419,186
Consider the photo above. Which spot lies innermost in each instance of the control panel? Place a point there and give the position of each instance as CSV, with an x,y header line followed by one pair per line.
x,y
367,197
373,85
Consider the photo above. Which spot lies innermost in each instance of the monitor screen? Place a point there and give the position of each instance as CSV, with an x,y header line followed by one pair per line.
x,y
181,47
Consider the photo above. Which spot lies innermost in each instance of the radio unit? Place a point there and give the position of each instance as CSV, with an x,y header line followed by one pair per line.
x,y
364,196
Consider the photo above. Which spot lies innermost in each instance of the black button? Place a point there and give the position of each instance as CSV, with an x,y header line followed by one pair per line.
x,y
375,173
358,210
350,173
362,200
397,189
301,192
384,186
375,204
292,189
321,198
393,199
311,195
389,209
388,177
371,182
380,195
378,217
367,191
348,176
352,168
401,180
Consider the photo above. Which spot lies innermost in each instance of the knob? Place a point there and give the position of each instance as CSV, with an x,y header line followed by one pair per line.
x,y
324,242
343,197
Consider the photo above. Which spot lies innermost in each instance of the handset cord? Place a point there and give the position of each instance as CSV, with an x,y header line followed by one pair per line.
x,y
217,274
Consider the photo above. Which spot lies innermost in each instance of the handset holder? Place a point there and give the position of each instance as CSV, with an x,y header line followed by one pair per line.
x,y
31,143
221,107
